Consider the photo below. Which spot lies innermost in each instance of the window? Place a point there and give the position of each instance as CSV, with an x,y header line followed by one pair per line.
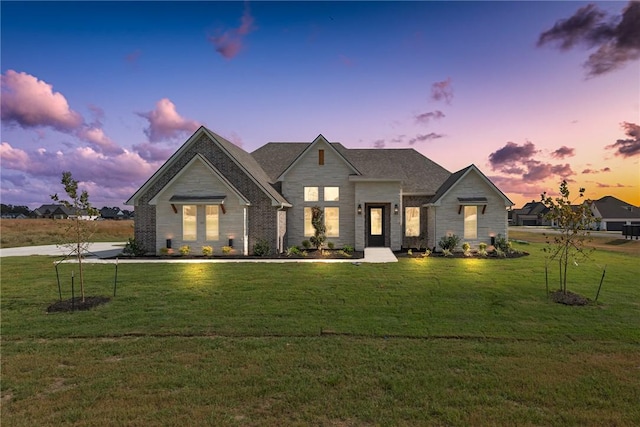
x,y
332,221
470,222
308,227
321,157
331,194
212,222
310,194
411,222
189,222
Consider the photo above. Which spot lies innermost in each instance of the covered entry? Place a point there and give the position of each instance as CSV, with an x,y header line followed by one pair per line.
x,y
377,226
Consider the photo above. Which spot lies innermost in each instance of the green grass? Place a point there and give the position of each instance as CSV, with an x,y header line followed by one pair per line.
x,y
425,341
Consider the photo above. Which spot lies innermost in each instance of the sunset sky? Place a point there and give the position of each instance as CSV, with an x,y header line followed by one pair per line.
x,y
530,92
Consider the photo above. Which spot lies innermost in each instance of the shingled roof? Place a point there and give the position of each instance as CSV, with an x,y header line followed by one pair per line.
x,y
419,175
611,207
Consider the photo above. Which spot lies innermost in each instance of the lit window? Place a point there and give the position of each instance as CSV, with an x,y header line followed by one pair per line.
x,y
332,221
321,157
310,194
189,223
470,222
308,227
212,222
412,222
331,194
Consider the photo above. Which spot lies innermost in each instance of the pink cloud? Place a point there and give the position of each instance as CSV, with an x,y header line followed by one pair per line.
x,y
428,137
30,102
563,152
153,152
627,147
512,153
165,122
97,137
230,42
431,115
442,91
13,158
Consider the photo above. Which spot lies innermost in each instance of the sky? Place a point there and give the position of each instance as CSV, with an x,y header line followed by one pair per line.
x,y
530,92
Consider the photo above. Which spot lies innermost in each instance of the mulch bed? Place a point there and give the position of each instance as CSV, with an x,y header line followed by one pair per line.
x,y
568,299
472,255
311,254
74,304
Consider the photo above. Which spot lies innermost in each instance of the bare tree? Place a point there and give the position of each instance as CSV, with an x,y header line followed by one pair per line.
x,y
79,229
573,223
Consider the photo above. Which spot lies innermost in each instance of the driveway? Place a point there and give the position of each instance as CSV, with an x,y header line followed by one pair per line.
x,y
98,249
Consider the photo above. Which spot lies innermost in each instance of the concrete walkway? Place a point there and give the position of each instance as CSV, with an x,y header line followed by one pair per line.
x,y
101,250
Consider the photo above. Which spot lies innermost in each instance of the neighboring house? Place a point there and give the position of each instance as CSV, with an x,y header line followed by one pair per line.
x,y
532,213
53,211
59,212
112,213
614,213
211,192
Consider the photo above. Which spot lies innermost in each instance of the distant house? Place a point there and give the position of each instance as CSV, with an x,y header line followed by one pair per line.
x,y
614,213
53,211
212,192
532,213
112,213
59,211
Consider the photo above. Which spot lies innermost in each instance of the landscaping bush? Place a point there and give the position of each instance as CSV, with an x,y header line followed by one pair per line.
x,y
185,250
261,248
449,242
133,248
207,250
226,250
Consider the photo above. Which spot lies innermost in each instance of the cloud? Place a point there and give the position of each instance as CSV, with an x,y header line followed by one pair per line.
x,y
511,153
431,115
616,39
563,152
442,91
538,171
348,62
230,42
627,147
96,137
165,122
13,158
588,170
603,185
32,103
153,152
380,143
133,56
423,138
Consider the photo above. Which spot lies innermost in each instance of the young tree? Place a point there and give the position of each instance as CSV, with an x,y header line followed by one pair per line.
x,y
573,223
79,229
317,221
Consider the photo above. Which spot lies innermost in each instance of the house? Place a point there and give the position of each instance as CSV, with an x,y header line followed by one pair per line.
x,y
614,213
532,213
212,192
112,213
53,211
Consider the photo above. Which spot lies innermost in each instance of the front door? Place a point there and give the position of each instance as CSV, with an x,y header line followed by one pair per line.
x,y
375,232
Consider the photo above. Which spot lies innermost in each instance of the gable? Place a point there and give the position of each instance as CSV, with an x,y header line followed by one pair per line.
x,y
468,183
229,157
320,152
199,182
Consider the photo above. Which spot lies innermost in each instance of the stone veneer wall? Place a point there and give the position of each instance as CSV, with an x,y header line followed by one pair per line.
x,y
262,216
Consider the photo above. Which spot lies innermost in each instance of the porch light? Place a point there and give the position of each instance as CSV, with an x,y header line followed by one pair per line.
x,y
168,244
395,209
359,209
230,242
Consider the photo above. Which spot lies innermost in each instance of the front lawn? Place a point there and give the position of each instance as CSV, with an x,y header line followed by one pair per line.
x,y
422,341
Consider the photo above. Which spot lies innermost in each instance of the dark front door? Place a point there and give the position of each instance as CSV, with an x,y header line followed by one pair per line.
x,y
375,230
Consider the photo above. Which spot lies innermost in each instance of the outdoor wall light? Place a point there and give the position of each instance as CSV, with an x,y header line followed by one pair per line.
x,y
395,209
230,242
359,209
168,244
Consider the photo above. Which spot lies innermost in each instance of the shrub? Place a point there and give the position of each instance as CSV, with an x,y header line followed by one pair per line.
x,y
449,242
166,251
261,248
293,250
226,250
482,246
409,251
331,245
207,250
447,252
466,248
133,248
426,253
348,249
185,250
503,244
482,252
306,244
317,221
